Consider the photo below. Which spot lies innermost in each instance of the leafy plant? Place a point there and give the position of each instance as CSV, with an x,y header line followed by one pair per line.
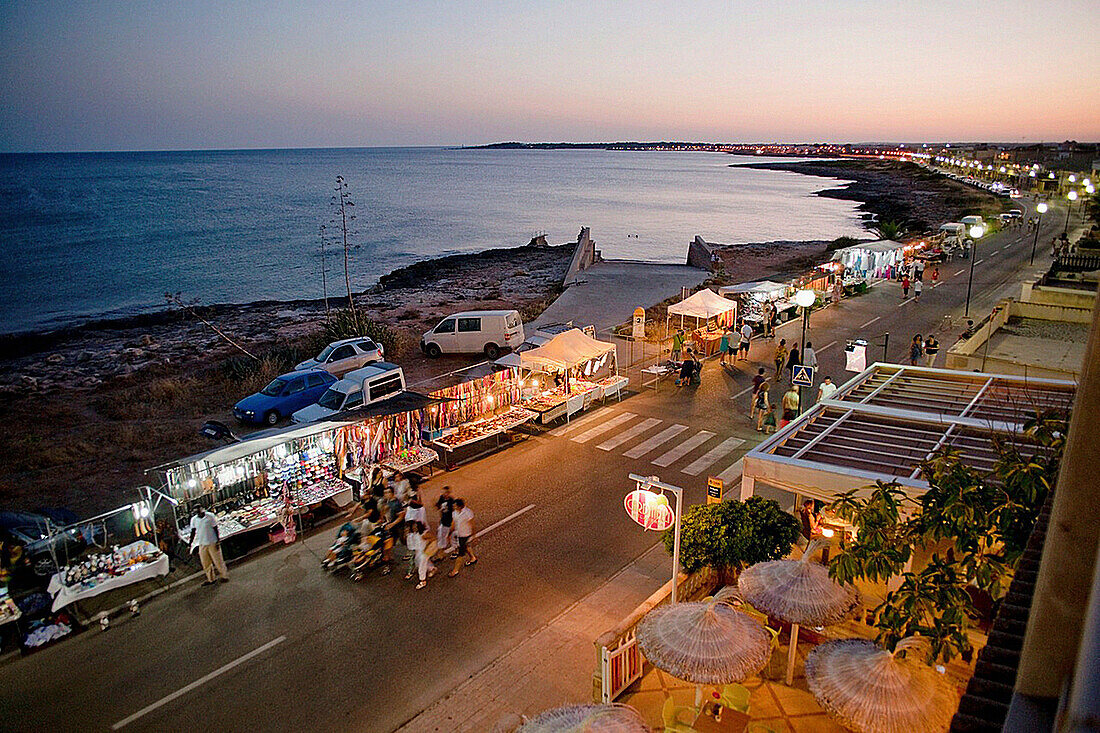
x,y
733,534
890,230
343,323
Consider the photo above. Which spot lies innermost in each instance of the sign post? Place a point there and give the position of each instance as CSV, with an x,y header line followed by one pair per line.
x,y
651,510
638,324
714,490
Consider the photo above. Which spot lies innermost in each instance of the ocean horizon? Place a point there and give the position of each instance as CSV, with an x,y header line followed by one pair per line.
x,y
92,235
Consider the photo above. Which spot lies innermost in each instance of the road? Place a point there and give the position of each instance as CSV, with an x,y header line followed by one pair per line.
x,y
285,646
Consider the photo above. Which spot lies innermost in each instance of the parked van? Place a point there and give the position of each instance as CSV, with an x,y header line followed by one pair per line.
x,y
472,331
360,387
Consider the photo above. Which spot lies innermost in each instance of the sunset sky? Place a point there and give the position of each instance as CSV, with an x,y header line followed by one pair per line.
x,y
105,75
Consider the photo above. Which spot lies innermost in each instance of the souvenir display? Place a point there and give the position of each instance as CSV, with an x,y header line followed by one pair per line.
x,y
298,470
98,567
472,432
317,492
546,401
43,633
411,458
8,610
472,399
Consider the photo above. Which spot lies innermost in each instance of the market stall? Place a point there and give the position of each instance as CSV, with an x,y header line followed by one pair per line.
x,y
752,297
879,259
568,373
712,314
100,572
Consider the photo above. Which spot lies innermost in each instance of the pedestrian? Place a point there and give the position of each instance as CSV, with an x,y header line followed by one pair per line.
x,y
769,320
769,420
827,389
918,286
464,530
415,532
204,535
916,351
728,347
393,514
935,275
746,339
918,268
780,358
790,405
905,287
446,506
758,380
677,344
762,405
792,362
687,369
414,512
931,349
401,487
809,356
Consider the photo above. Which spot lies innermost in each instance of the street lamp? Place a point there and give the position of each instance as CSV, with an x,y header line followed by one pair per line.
x,y
976,232
1042,209
1072,196
651,510
804,298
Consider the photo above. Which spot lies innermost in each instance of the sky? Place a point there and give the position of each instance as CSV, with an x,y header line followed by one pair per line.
x,y
183,74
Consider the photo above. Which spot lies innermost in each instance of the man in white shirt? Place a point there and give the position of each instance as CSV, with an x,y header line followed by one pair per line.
x,y
826,390
464,531
204,535
746,339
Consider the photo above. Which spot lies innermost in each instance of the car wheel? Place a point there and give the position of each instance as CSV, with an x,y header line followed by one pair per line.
x,y
492,351
433,351
271,417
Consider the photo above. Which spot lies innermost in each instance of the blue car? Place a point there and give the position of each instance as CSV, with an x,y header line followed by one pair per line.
x,y
283,396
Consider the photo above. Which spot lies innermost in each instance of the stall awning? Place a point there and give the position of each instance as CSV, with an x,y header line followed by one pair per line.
x,y
881,245
704,304
401,402
255,443
565,350
765,287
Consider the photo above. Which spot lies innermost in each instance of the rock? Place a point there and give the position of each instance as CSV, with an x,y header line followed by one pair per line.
x,y
55,359
28,381
133,354
147,340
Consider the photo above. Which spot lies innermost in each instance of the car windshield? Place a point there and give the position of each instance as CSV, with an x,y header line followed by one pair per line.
x,y
274,388
324,353
331,400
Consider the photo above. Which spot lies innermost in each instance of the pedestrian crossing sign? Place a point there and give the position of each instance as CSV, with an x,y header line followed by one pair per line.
x,y
803,376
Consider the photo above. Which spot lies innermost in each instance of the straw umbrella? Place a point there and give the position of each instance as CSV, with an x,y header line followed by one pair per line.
x,y
706,643
799,592
591,718
870,690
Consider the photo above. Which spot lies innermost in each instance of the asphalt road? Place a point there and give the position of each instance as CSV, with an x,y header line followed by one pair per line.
x,y
284,645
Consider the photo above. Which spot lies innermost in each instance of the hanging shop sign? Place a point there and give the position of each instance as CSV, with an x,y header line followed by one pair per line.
x,y
649,509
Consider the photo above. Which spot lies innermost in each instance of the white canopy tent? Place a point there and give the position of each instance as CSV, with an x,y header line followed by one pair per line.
x,y
564,351
761,287
705,304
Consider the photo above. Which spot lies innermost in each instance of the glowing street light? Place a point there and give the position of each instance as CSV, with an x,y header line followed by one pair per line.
x,y
805,298
976,233
1072,196
1072,178
1042,209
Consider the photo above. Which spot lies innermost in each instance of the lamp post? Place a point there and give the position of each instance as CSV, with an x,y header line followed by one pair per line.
x,y
1042,209
651,510
1072,196
976,232
804,298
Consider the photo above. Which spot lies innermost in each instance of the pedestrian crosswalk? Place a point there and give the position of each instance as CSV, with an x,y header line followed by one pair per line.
x,y
659,442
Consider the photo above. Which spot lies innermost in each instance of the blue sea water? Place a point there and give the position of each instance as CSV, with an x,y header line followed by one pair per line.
x,y
89,235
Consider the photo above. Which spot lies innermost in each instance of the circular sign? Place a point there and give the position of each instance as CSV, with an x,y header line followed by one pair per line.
x,y
649,509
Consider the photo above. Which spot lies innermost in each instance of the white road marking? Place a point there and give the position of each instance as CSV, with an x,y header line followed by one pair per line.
x,y
507,519
978,262
745,391
684,448
633,432
731,473
197,683
1006,246
727,446
904,302
603,427
868,323
575,424
659,439
960,272
991,254
831,343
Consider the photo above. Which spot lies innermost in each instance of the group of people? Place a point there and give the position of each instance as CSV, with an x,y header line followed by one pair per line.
x,y
923,351
912,276
400,515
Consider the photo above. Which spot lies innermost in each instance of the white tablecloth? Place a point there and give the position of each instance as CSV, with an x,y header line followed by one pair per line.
x,y
64,595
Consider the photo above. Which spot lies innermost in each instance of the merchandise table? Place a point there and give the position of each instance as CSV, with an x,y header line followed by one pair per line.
x,y
657,372
706,342
549,406
135,573
481,429
317,492
9,611
412,459
613,385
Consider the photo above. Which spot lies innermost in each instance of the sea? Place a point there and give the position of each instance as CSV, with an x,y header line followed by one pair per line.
x,y
86,236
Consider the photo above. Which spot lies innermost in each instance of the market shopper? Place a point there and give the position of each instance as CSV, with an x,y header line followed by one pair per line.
x,y
728,345
809,356
780,358
204,535
918,286
677,344
446,506
793,360
746,339
931,349
826,389
916,351
393,513
935,275
904,287
758,380
790,405
401,487
762,406
769,320
414,512
415,533
464,531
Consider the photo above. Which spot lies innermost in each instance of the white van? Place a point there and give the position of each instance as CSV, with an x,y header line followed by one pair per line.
x,y
472,331
360,387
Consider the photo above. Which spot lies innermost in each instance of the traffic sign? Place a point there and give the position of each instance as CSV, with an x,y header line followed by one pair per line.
x,y
803,376
714,490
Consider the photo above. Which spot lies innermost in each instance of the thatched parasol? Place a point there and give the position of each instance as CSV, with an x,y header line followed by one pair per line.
x,y
799,592
591,718
870,690
707,643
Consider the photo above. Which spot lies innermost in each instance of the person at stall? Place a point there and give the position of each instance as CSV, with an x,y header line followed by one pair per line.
x,y
728,346
415,536
204,535
746,339
677,344
769,320
809,520
687,369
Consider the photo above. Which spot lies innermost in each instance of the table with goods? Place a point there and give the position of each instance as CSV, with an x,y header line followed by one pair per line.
x,y
706,341
103,571
495,427
411,459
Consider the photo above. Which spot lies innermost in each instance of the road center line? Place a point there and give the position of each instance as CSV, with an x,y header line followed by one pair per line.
x,y
980,261
507,519
831,343
745,391
198,683
868,323
1006,246
960,272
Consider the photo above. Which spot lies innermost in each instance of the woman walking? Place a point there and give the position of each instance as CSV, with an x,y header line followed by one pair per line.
x,y
761,405
419,545
780,358
916,351
792,361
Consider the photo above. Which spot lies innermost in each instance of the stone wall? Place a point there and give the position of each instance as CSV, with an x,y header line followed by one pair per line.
x,y
700,254
584,256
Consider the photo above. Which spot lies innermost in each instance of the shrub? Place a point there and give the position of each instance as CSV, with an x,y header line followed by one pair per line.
x,y
733,534
342,324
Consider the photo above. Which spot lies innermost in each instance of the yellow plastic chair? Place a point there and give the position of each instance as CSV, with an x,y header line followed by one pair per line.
x,y
678,718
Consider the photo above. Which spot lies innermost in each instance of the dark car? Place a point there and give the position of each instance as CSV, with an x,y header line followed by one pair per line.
x,y
37,533
283,396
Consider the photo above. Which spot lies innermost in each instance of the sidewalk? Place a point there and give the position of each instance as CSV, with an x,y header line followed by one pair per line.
x,y
553,666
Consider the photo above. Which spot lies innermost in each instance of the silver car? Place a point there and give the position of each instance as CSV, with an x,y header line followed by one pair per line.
x,y
341,357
